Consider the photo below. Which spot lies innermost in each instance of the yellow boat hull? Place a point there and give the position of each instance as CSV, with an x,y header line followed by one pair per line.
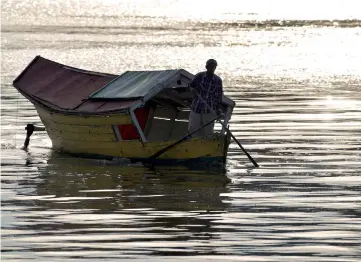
x,y
94,136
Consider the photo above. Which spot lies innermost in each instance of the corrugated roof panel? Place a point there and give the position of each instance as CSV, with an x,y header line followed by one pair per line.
x,y
134,84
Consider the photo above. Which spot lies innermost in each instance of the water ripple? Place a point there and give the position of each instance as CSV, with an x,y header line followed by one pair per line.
x,y
298,114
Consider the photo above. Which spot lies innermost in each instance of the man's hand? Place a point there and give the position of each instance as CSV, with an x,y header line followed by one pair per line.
x,y
220,112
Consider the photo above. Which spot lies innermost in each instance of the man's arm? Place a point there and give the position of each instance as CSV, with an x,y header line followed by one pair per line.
x,y
195,81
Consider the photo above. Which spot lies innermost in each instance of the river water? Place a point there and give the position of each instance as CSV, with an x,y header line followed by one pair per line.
x,y
297,85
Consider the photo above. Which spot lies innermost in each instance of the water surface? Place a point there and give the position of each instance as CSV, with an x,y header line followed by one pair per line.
x,y
297,88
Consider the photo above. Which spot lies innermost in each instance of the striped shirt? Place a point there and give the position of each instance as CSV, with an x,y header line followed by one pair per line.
x,y
210,89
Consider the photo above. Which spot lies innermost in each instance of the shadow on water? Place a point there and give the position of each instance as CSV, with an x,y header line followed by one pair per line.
x,y
130,186
59,201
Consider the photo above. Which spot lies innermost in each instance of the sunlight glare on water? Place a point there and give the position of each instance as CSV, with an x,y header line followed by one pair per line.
x,y
293,71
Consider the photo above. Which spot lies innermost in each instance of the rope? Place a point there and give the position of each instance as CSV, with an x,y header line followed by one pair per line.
x,y
16,117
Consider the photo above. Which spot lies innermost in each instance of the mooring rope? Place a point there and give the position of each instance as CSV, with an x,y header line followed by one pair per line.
x,y
16,117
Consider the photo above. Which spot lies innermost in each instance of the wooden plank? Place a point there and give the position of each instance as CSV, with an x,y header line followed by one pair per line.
x,y
55,134
195,147
116,119
88,129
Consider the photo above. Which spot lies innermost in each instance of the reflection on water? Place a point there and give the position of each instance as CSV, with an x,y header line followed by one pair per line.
x,y
298,114
83,204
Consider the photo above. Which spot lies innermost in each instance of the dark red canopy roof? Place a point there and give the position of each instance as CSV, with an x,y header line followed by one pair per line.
x,y
66,88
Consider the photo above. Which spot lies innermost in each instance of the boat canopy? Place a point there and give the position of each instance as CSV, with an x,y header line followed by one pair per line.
x,y
139,84
67,89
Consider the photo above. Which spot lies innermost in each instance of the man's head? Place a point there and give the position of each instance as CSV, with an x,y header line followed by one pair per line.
x,y
211,66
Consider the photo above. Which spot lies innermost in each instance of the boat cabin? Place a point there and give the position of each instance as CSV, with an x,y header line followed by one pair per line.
x,y
162,110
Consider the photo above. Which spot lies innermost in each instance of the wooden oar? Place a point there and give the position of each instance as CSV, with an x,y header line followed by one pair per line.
x,y
229,131
162,151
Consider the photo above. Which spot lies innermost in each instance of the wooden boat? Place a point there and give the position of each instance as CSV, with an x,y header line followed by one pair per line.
x,y
133,115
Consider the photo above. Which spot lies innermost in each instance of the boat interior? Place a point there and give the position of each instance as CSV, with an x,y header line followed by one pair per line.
x,y
169,113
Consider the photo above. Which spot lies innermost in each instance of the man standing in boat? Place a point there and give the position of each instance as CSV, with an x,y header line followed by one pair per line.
x,y
209,86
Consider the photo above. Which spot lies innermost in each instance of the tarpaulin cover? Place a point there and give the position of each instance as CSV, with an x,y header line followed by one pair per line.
x,y
135,84
63,87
